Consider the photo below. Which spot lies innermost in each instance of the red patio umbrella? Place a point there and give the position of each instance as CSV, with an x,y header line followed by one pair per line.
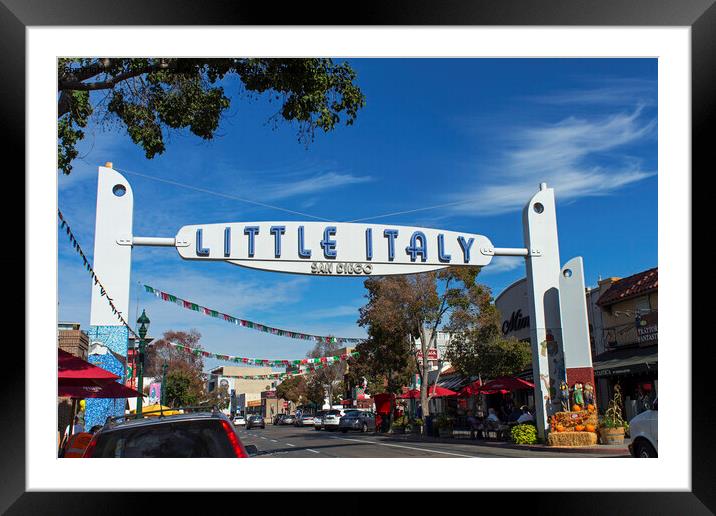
x,y
471,389
436,392
506,383
107,389
72,370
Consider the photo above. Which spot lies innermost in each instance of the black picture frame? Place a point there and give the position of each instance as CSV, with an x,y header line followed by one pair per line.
x,y
699,15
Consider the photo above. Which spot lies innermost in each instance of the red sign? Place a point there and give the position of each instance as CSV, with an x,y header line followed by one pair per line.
x,y
432,354
285,404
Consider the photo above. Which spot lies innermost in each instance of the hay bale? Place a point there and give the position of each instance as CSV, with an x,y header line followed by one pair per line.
x,y
572,439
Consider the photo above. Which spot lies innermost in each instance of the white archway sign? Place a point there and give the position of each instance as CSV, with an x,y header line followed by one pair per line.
x,y
559,334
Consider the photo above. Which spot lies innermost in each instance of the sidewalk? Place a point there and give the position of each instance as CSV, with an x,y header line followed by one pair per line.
x,y
600,449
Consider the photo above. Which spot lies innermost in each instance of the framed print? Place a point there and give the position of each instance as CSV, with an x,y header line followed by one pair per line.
x,y
520,169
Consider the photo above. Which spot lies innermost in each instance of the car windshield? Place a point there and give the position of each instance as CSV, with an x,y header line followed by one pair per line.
x,y
334,413
352,412
179,439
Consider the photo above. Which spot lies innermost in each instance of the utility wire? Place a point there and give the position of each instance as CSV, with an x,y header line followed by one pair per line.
x,y
219,194
412,211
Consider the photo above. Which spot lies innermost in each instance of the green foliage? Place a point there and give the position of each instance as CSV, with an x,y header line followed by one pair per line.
x,y
148,96
292,389
182,389
401,422
444,422
524,434
477,346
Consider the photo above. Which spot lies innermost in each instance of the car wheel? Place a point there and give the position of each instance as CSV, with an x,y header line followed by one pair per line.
x,y
645,450
364,428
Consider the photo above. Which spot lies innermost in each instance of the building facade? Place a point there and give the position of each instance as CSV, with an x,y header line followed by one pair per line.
x,y
623,330
246,392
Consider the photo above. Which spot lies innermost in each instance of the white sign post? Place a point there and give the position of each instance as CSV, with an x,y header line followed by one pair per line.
x,y
347,249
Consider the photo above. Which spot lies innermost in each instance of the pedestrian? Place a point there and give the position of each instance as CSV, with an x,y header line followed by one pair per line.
x,y
76,428
492,415
526,417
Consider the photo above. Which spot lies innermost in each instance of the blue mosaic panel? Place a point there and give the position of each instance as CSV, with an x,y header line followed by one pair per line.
x,y
116,338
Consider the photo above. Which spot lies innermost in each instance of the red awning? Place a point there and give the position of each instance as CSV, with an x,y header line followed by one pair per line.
x,y
436,392
94,389
506,383
471,390
69,367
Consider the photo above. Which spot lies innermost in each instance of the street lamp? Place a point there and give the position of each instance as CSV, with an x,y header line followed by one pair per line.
x,y
163,399
143,321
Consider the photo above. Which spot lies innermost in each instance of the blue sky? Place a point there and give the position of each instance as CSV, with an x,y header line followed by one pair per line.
x,y
433,132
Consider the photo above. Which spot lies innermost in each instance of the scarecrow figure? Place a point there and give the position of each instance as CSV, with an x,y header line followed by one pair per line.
x,y
577,396
564,396
588,394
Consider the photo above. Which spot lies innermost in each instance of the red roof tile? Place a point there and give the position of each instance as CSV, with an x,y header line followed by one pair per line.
x,y
632,286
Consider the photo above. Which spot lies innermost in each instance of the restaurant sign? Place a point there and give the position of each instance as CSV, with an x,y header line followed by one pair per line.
x,y
647,330
333,249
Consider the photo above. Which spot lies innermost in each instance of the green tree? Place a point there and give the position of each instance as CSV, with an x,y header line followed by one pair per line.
x,y
183,389
411,307
315,393
331,375
150,96
219,398
292,389
477,346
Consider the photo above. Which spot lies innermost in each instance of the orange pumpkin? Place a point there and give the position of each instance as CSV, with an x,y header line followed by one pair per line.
x,y
576,408
590,428
560,428
579,428
591,408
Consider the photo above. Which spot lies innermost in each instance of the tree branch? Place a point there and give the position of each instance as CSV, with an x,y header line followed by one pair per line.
x,y
111,83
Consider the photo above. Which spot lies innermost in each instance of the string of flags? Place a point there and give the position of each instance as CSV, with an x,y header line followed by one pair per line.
x,y
103,291
327,360
165,296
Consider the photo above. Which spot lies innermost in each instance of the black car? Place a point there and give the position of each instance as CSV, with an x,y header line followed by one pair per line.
x,y
200,434
255,421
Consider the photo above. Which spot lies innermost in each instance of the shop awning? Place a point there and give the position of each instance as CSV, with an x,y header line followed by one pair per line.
x,y
507,383
626,361
107,389
72,369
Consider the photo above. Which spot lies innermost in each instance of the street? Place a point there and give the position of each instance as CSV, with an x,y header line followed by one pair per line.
x,y
305,442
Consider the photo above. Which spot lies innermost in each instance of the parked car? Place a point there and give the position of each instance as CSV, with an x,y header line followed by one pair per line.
x,y
278,418
201,434
318,419
360,420
255,421
644,433
332,418
239,420
288,419
304,421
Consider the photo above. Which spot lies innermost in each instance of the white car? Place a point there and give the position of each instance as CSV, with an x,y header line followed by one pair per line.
x,y
644,433
318,419
239,420
304,421
332,418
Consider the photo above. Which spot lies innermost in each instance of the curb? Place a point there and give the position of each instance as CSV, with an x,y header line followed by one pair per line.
x,y
597,450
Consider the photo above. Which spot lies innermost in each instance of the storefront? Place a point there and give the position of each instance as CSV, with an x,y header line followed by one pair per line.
x,y
635,370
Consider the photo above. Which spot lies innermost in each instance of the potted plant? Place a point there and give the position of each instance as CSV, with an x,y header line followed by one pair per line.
x,y
398,426
445,426
416,426
612,426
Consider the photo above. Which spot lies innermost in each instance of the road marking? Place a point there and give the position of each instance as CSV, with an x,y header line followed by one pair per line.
x,y
291,445
262,437
274,441
314,451
402,446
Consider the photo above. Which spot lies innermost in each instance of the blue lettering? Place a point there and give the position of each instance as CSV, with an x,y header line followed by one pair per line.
x,y
277,231
413,250
302,252
200,249
328,245
227,241
369,244
445,258
251,231
391,235
466,247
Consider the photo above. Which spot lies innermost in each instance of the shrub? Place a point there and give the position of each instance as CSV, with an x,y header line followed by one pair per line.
x,y
524,434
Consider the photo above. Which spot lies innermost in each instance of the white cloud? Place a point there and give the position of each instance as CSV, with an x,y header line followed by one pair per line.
x,y
562,155
501,264
312,185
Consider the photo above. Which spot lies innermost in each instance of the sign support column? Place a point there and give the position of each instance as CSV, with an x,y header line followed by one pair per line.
x,y
543,269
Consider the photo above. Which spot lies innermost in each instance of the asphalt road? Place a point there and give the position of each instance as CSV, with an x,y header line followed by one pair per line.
x,y
305,442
